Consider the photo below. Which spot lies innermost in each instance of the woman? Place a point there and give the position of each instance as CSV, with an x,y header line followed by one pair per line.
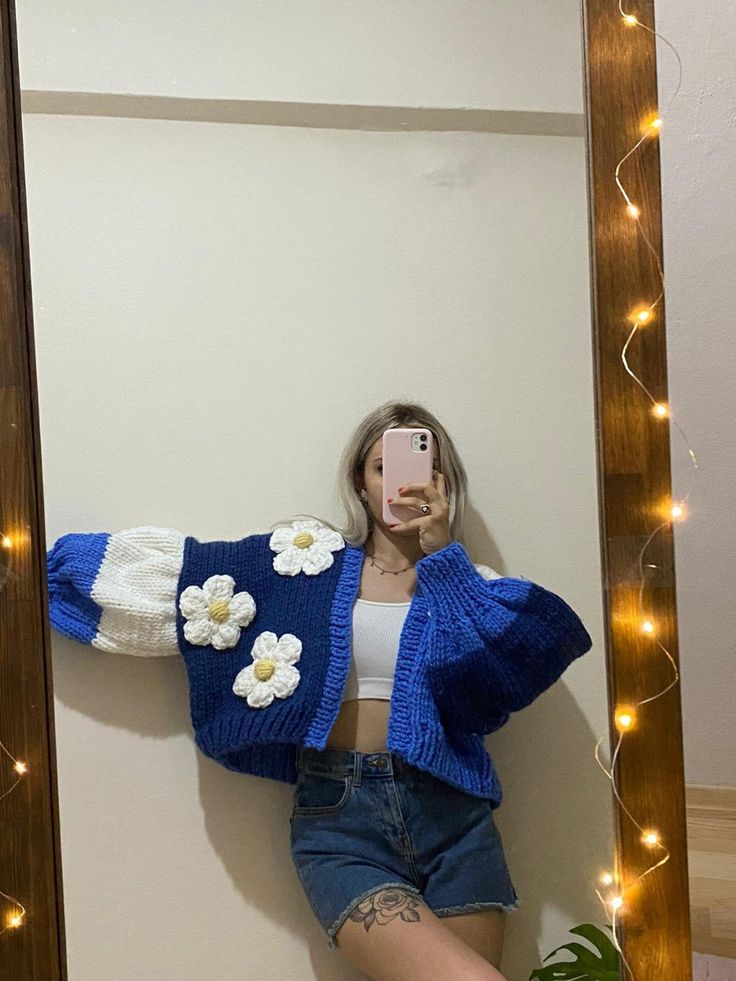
x,y
364,667
401,817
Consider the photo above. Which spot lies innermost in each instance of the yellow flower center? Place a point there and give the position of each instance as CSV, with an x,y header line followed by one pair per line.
x,y
219,610
303,539
263,669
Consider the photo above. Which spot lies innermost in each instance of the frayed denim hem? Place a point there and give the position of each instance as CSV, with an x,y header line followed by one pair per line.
x,y
474,907
332,930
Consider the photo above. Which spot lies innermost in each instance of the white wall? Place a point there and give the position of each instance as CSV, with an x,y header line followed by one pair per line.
x,y
440,53
215,308
698,193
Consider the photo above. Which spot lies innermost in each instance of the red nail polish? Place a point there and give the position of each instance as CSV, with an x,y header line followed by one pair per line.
x,y
389,498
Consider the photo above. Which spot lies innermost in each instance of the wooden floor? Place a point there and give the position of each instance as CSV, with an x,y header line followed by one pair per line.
x,y
711,837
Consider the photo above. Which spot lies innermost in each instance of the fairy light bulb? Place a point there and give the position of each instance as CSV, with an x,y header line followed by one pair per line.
x,y
650,838
624,719
20,767
650,125
630,20
6,542
660,410
677,511
617,902
641,315
647,627
606,879
633,210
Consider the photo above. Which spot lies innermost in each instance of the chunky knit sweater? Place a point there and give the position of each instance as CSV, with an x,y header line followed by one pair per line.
x,y
263,624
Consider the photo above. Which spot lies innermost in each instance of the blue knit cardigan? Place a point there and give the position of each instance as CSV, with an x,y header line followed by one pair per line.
x,y
266,640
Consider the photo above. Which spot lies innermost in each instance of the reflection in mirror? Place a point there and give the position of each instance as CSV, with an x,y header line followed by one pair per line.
x,y
289,736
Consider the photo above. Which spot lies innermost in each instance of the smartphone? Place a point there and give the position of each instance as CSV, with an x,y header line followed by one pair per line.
x,y
406,459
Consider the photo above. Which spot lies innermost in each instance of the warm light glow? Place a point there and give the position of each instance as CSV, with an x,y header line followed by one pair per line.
x,y
15,920
624,719
640,316
6,542
651,125
20,767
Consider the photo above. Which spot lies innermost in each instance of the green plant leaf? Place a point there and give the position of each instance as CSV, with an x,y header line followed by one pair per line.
x,y
599,965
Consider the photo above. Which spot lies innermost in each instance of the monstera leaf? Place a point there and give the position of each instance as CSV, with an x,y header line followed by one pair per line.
x,y
601,965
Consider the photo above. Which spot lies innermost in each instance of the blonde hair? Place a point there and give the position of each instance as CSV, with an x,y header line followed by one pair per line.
x,y
388,415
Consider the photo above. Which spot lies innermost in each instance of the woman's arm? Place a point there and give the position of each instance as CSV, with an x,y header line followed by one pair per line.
x,y
117,591
494,645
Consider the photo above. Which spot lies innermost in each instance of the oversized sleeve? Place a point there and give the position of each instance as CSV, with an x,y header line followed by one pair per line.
x,y
117,591
494,643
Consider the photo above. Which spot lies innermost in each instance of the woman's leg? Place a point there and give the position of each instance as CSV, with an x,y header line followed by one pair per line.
x,y
483,930
408,943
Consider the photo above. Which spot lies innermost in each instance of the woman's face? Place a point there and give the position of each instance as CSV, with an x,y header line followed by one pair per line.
x,y
373,479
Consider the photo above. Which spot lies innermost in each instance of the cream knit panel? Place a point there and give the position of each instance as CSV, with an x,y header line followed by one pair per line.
x,y
136,589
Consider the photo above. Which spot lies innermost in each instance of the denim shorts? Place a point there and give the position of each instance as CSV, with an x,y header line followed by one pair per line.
x,y
361,822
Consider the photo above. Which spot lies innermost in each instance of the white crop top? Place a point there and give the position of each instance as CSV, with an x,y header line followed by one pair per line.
x,y
376,631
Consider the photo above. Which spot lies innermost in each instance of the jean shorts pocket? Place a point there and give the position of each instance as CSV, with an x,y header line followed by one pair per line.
x,y
321,793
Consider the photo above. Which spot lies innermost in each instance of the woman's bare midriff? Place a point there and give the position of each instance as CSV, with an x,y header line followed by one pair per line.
x,y
362,723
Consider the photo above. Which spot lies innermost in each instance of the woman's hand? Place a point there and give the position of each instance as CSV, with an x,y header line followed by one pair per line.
x,y
433,528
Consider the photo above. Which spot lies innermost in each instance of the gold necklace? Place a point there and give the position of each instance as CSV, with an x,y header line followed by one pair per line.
x,y
393,573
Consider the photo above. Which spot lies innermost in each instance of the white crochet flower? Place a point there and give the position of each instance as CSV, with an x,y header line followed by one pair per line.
x,y
213,614
272,672
305,546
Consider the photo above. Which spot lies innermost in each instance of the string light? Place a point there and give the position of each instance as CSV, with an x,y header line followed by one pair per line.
x,y
14,919
625,716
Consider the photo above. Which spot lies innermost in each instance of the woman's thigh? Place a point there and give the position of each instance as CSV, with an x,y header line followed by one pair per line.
x,y
483,930
411,943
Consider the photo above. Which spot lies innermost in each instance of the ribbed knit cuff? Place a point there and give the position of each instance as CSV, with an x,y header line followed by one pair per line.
x,y
449,578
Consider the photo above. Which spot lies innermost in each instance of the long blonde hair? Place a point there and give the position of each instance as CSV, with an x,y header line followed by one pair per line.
x,y
352,462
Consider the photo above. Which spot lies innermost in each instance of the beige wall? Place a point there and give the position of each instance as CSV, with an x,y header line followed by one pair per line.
x,y
698,192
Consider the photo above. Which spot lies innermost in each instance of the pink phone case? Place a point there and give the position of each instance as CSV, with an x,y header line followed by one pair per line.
x,y
403,464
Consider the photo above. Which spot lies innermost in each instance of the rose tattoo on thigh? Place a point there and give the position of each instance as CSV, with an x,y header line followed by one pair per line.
x,y
385,905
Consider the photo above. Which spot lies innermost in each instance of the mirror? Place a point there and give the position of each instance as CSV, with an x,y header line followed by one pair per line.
x,y
250,228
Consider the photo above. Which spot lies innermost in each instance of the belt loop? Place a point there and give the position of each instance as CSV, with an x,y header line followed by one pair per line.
x,y
357,767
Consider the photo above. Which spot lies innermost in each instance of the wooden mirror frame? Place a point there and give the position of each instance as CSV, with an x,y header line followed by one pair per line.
x,y
633,460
